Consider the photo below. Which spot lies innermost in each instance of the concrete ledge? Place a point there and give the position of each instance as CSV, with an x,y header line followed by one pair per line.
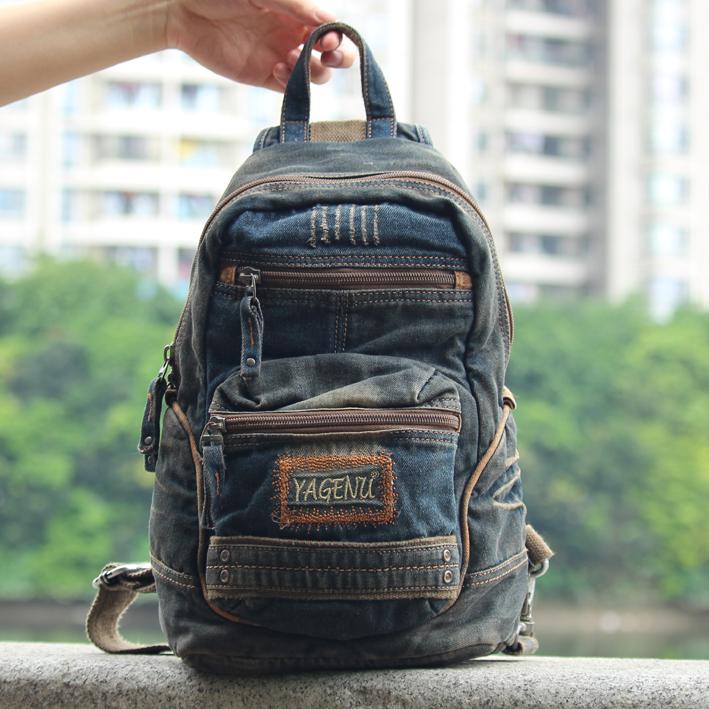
x,y
55,675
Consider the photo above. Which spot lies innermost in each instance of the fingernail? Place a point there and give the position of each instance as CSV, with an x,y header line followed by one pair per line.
x,y
333,58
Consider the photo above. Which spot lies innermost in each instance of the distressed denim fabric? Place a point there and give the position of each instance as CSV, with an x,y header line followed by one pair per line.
x,y
340,547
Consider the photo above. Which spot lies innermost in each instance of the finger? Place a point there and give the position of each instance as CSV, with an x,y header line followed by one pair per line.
x,y
292,57
329,41
281,73
342,57
274,84
319,74
302,10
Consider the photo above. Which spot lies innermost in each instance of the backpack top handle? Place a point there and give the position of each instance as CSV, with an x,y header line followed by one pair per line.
x,y
295,114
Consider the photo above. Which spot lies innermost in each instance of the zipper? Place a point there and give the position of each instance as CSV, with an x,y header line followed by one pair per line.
x,y
347,278
222,424
410,176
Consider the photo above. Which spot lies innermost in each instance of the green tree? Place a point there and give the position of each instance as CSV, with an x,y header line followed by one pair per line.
x,y
613,414
79,343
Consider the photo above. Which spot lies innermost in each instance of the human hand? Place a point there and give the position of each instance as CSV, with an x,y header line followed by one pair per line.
x,y
254,41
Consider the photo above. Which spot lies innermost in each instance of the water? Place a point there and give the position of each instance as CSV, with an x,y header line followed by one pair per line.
x,y
563,631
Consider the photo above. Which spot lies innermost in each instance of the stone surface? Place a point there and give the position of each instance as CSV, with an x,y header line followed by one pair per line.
x,y
41,675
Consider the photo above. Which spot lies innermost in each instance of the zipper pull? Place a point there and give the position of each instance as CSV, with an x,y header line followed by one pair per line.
x,y
214,467
251,324
149,442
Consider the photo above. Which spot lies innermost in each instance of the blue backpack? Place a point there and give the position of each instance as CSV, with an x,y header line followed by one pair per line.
x,y
337,479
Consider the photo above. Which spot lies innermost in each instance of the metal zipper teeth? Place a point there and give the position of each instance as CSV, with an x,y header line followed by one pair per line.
x,y
407,175
337,420
353,279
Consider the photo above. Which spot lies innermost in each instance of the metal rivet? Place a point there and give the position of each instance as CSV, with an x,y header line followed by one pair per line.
x,y
224,555
446,555
448,576
224,576
250,362
148,440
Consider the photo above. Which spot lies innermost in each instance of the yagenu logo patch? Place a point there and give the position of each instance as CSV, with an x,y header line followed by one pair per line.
x,y
335,489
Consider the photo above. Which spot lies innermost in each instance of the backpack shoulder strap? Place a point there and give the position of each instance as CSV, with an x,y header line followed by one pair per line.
x,y
118,585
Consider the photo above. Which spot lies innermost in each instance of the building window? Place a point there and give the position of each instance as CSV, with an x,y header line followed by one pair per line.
x,y
13,147
132,94
521,293
548,195
547,50
68,206
568,8
194,206
202,153
479,92
668,136
184,270
205,98
667,190
669,88
12,203
548,145
668,240
554,99
71,149
134,204
126,147
669,37
139,258
552,245
565,100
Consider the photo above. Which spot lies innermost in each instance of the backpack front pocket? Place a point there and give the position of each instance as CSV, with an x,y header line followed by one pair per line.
x,y
335,515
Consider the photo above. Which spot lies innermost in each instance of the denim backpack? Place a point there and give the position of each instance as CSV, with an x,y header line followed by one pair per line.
x,y
337,479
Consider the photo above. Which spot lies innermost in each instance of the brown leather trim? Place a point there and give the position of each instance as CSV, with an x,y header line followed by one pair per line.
x,y
463,280
470,486
199,480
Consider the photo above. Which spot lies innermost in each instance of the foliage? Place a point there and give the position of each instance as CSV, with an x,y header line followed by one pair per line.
x,y
613,418
79,343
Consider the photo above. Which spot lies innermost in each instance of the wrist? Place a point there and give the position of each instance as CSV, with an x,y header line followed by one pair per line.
x,y
144,23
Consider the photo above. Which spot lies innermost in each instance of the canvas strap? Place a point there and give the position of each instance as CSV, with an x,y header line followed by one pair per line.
x,y
118,585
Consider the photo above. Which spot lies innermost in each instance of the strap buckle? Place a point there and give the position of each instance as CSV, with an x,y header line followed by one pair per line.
x,y
110,575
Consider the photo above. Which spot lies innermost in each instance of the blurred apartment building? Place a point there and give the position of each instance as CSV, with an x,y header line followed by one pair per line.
x,y
580,125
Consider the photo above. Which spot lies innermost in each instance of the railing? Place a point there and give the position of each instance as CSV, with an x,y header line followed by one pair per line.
x,y
57,675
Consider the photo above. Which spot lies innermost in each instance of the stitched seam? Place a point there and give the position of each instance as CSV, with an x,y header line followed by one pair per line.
x,y
173,581
346,321
498,567
238,256
343,569
496,578
166,570
325,592
361,297
363,546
